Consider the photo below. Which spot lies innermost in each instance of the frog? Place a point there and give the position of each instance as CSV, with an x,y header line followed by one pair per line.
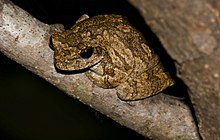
x,y
113,55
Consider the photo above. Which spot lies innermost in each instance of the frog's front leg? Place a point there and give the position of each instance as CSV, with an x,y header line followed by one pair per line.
x,y
146,84
106,76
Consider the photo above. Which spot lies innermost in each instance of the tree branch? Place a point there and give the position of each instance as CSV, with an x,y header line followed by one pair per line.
x,y
189,30
25,40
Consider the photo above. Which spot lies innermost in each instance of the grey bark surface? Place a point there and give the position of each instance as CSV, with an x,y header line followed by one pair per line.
x,y
190,32
25,40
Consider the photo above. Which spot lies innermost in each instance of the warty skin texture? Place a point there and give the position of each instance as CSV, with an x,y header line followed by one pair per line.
x,y
115,54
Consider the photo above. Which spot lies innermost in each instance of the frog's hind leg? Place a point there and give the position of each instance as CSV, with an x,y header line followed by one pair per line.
x,y
147,84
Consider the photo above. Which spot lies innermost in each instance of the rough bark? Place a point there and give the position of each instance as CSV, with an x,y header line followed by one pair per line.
x,y
25,40
190,32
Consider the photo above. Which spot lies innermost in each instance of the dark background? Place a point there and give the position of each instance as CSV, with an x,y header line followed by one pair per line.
x,y
32,109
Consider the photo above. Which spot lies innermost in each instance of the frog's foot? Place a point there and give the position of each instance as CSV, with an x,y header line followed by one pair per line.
x,y
143,86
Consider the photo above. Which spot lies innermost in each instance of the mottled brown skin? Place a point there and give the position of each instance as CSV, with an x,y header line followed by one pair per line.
x,y
120,56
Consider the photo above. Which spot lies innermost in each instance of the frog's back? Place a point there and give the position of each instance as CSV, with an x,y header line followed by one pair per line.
x,y
119,27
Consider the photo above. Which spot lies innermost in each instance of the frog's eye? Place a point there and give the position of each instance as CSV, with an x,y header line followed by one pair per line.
x,y
87,53
51,43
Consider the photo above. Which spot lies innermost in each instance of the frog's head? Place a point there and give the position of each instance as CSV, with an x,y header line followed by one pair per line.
x,y
74,52
90,41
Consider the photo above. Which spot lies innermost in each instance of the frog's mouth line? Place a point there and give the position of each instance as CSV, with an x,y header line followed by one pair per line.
x,y
89,67
77,71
